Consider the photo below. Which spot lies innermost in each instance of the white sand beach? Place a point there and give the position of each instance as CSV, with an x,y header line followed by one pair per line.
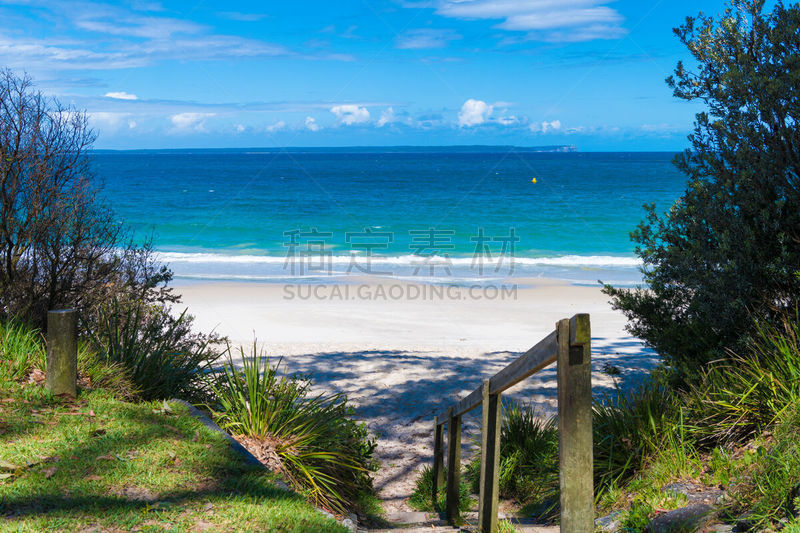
x,y
401,353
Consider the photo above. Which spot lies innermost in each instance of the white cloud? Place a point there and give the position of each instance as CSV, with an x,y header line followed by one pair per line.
x,y
28,54
119,22
474,112
507,120
387,117
425,38
240,128
544,126
279,126
121,95
110,121
102,36
311,124
348,114
190,121
547,20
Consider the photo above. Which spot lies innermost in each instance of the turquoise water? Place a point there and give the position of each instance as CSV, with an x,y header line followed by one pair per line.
x,y
277,215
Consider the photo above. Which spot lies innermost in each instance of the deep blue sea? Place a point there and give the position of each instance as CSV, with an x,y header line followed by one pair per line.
x,y
451,215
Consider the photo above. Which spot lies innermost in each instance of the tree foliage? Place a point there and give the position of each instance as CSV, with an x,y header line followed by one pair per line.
x,y
729,248
59,244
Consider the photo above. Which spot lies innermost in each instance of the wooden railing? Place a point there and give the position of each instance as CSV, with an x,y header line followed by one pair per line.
x,y
570,346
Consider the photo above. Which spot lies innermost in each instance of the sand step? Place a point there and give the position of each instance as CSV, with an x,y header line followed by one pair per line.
x,y
419,528
419,522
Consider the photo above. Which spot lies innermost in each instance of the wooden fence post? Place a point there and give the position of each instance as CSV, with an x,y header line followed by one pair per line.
x,y
453,468
62,351
438,460
490,460
575,424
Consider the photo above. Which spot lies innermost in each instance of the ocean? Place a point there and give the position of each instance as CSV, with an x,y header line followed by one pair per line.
x,y
440,215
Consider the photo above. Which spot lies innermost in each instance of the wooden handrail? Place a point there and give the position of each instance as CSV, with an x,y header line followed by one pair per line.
x,y
570,346
532,361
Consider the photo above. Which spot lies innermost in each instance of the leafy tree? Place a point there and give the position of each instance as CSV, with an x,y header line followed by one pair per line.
x,y
59,244
729,248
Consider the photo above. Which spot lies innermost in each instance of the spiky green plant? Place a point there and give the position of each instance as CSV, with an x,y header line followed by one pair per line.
x,y
322,449
528,454
506,526
163,358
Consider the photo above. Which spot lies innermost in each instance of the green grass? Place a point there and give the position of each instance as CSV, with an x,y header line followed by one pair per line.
x,y
761,477
737,399
105,463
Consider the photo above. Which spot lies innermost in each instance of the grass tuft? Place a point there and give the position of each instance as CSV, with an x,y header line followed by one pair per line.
x,y
325,453
21,350
421,496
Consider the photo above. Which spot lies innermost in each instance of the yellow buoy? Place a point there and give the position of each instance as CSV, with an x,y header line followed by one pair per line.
x,y
533,180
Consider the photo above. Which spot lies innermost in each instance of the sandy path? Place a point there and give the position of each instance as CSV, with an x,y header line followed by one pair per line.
x,y
401,360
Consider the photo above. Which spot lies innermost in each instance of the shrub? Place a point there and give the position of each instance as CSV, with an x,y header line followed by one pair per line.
x,y
95,372
729,248
60,245
322,449
160,354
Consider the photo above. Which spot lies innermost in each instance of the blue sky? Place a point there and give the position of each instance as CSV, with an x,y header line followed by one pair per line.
x,y
588,73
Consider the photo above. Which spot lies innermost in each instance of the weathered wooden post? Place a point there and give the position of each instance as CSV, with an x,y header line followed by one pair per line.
x,y
438,460
453,467
62,351
575,424
490,460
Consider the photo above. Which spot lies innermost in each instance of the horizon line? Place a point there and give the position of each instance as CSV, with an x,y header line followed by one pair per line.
x,y
554,148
